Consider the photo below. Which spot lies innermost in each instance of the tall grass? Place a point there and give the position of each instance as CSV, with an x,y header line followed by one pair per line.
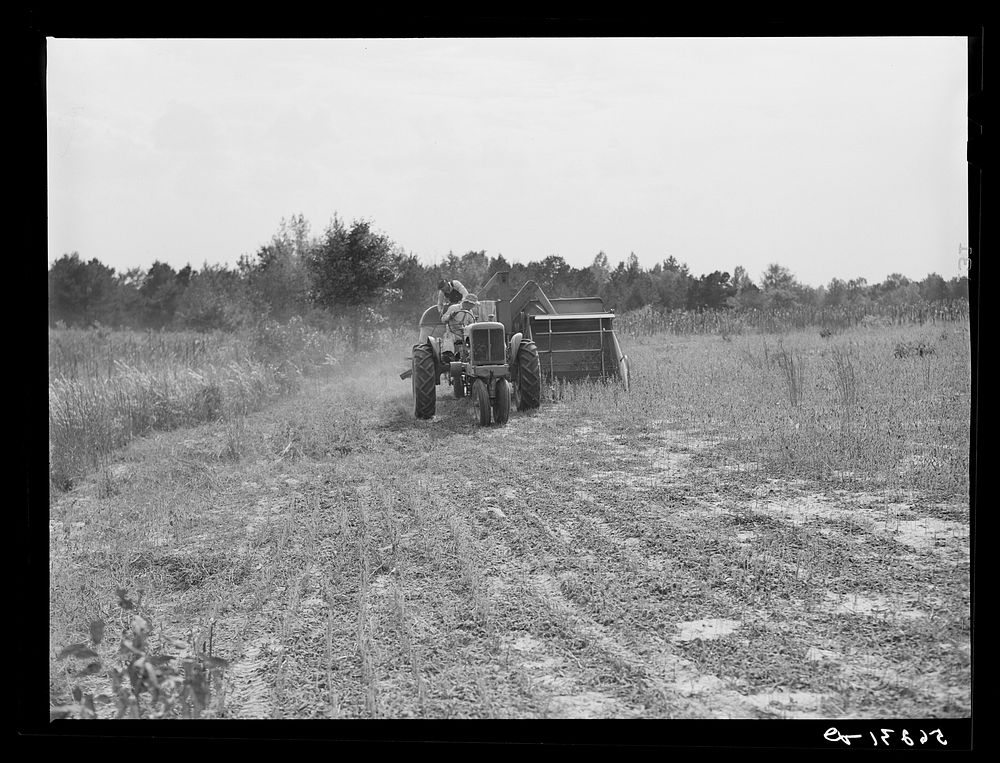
x,y
841,408
842,368
649,321
100,353
90,418
792,367
106,388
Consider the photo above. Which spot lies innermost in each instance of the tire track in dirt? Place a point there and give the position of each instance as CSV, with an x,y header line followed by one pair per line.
x,y
675,682
657,677
631,543
249,685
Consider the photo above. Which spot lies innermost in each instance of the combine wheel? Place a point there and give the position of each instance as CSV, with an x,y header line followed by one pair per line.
x,y
529,377
501,405
425,378
482,395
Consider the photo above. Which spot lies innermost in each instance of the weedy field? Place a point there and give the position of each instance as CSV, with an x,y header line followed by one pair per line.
x,y
764,526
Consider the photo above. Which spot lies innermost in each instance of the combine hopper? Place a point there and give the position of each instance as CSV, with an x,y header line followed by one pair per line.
x,y
575,336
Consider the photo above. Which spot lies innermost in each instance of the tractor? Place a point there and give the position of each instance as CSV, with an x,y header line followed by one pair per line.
x,y
525,340
483,362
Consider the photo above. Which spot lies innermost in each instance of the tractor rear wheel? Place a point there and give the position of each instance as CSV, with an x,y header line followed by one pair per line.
x,y
501,403
458,385
424,382
529,376
482,395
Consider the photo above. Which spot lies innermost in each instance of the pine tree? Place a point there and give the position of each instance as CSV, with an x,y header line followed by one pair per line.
x,y
351,270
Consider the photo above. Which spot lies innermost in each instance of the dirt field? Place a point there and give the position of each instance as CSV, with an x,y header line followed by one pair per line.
x,y
705,546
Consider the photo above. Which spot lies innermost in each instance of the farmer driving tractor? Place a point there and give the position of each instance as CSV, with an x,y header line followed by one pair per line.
x,y
457,317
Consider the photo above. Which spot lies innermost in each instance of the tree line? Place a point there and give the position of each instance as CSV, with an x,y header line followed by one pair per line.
x,y
355,276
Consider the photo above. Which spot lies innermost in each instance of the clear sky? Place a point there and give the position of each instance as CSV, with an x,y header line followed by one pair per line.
x,y
836,157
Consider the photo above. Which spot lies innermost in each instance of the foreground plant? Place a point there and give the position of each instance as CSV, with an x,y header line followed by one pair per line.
x,y
148,683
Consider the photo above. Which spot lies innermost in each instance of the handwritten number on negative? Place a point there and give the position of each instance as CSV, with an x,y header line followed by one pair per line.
x,y
833,735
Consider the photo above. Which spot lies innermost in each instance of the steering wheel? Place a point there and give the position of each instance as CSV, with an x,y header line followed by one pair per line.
x,y
454,317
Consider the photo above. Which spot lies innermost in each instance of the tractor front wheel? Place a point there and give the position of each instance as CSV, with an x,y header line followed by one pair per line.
x,y
501,403
482,395
458,385
424,382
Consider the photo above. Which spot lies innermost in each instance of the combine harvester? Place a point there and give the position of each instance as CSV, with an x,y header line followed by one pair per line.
x,y
519,342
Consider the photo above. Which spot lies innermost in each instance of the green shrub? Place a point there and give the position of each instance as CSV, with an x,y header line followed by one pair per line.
x,y
145,682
